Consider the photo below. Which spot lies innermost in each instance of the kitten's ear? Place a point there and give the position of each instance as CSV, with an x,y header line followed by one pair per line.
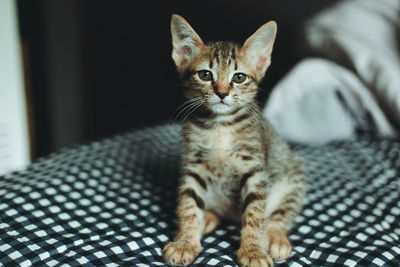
x,y
185,42
258,48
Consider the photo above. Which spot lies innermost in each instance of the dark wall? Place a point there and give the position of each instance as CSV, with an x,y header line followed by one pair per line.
x,y
104,67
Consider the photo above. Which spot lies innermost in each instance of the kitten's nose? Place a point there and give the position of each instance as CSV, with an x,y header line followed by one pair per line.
x,y
221,94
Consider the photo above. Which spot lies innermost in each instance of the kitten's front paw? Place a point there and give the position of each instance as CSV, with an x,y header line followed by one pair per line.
x,y
280,246
251,258
180,253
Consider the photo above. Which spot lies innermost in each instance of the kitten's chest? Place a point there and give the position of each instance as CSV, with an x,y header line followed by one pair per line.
x,y
220,144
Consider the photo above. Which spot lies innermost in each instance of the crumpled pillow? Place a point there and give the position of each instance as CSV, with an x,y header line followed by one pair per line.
x,y
350,78
363,36
319,101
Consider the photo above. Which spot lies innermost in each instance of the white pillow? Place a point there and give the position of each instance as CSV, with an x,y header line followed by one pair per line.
x,y
319,101
363,36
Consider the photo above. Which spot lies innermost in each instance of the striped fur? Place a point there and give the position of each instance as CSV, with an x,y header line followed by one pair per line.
x,y
234,165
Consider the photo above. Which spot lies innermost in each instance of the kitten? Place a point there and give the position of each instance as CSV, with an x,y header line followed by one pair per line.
x,y
234,165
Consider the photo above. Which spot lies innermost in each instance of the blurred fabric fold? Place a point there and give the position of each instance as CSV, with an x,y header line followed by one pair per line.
x,y
349,79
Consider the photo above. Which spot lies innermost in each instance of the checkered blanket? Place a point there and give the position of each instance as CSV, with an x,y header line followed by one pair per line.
x,y
112,203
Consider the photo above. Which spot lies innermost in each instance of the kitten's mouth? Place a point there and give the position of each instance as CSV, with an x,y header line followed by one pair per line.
x,y
221,107
223,101
220,103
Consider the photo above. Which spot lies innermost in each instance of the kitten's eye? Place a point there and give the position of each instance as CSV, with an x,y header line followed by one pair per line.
x,y
205,75
239,77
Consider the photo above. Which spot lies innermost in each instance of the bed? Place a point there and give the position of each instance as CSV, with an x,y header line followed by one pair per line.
x,y
111,203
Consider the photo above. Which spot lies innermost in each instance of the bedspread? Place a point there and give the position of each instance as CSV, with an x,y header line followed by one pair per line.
x,y
111,203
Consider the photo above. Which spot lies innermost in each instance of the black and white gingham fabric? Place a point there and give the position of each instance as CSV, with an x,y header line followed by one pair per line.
x,y
111,203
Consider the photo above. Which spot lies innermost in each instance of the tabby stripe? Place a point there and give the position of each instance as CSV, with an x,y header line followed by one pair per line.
x,y
289,205
240,118
250,198
192,194
244,179
261,185
248,148
283,212
199,154
280,212
246,176
245,157
216,55
214,86
198,179
290,201
201,124
235,111
245,129
237,119
233,53
196,161
252,220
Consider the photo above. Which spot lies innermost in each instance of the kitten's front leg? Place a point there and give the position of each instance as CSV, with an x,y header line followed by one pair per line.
x,y
254,242
186,245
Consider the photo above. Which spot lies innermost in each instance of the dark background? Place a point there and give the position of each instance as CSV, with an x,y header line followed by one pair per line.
x,y
97,68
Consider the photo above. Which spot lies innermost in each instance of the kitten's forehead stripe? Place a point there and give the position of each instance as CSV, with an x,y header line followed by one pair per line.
x,y
233,54
215,54
223,53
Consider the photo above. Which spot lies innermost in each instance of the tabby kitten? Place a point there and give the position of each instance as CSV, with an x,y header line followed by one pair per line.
x,y
234,165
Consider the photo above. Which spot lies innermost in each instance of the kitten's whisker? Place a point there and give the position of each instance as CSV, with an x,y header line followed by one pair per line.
x,y
249,111
260,118
193,109
185,106
190,109
255,111
188,101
